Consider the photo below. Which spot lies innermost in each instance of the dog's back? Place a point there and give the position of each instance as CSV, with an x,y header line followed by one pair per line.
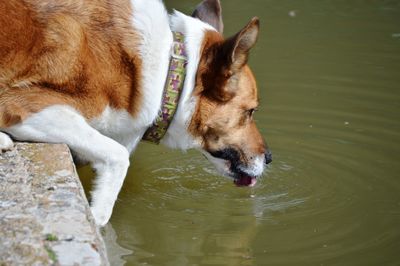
x,y
66,52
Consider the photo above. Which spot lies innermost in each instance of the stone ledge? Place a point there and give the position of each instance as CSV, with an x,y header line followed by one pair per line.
x,y
44,215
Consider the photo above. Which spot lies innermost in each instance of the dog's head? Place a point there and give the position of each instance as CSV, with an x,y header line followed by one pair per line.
x,y
227,99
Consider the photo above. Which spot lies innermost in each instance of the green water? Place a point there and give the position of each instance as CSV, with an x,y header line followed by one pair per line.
x,y
329,79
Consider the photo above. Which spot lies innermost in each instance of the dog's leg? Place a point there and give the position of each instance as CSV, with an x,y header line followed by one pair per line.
x,y
62,124
6,142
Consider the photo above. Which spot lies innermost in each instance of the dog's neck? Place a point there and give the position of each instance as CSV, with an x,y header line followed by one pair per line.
x,y
177,135
172,90
156,27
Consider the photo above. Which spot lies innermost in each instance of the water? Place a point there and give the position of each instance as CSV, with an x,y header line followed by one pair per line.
x,y
329,79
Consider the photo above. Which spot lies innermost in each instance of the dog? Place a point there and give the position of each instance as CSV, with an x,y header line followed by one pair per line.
x,y
94,75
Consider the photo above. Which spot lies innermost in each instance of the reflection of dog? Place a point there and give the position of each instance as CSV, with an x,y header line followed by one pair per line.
x,y
91,74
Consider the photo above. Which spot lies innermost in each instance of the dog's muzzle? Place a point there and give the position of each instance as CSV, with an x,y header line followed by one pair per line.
x,y
243,174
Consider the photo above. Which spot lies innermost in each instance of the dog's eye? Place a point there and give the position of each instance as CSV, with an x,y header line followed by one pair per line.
x,y
251,112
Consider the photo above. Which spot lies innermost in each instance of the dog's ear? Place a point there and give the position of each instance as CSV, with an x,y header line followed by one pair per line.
x,y
226,58
210,12
237,48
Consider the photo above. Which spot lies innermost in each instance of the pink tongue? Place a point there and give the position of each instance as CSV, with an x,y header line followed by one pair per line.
x,y
245,181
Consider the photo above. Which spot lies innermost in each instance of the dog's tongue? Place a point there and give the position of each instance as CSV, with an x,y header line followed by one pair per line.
x,y
245,181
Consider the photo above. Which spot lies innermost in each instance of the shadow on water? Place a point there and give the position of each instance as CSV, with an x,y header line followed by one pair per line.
x,y
328,74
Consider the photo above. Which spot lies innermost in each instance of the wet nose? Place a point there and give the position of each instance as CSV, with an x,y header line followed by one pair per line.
x,y
268,157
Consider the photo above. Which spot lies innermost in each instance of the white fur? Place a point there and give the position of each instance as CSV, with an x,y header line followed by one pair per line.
x,y
120,126
6,142
150,19
177,135
256,166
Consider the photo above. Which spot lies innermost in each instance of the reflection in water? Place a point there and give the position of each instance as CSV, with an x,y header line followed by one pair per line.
x,y
115,252
328,74
186,216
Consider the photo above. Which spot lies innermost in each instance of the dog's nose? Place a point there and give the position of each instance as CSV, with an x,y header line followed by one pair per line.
x,y
268,157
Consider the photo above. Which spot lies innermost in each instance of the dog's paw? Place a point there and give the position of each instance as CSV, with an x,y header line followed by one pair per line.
x,y
101,215
6,142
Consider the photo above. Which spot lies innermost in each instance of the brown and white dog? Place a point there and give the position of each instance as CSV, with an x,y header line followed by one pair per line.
x,y
91,74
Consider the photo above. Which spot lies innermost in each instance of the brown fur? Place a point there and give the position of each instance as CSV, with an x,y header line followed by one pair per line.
x,y
227,97
74,52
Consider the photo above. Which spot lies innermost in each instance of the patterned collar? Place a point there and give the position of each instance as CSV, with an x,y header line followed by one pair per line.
x,y
172,90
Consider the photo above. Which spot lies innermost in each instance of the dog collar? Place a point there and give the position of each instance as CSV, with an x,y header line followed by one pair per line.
x,y
172,90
